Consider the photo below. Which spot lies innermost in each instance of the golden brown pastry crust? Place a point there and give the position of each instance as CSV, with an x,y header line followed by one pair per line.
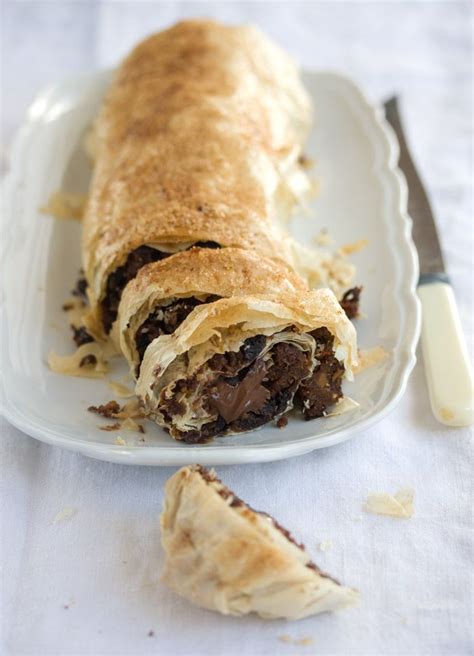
x,y
192,144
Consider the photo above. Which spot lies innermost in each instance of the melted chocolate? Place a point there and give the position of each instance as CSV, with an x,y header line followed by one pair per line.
x,y
287,367
232,401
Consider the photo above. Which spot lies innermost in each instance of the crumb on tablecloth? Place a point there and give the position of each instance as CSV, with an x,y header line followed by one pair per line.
x,y
325,545
66,513
399,505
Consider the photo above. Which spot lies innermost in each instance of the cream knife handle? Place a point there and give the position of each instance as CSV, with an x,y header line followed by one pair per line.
x,y
447,366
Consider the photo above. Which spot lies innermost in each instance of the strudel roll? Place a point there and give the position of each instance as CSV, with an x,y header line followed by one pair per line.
x,y
198,143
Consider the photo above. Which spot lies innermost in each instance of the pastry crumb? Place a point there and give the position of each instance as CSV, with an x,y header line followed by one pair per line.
x,y
325,545
112,410
305,162
87,361
369,358
446,414
64,514
111,427
122,391
108,410
120,441
355,247
323,238
282,422
64,205
399,505
131,409
305,641
131,425
350,302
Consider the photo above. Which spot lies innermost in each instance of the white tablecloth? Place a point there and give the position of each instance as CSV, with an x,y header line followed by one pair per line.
x,y
88,583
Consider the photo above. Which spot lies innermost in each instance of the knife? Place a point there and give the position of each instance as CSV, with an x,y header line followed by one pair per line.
x,y
447,367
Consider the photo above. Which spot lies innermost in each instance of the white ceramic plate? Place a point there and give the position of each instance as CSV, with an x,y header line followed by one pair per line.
x,y
363,195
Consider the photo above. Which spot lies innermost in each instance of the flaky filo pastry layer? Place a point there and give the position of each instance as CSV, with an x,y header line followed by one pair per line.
x,y
198,141
224,556
193,277
235,363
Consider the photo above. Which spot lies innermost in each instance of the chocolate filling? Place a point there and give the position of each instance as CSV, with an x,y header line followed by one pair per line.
x,y
81,336
164,320
246,391
108,410
233,400
80,288
350,302
118,280
236,502
88,360
323,388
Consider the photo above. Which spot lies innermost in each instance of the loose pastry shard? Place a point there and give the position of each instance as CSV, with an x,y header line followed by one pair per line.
x,y
224,340
224,556
197,143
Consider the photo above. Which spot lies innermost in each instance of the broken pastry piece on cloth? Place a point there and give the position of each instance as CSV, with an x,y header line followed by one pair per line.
x,y
223,555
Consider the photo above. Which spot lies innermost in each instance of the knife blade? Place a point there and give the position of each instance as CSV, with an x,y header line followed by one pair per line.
x,y
447,367
424,231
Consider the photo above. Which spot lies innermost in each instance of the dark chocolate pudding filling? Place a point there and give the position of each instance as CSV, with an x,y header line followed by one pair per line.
x,y
236,502
246,390
119,278
323,388
165,319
